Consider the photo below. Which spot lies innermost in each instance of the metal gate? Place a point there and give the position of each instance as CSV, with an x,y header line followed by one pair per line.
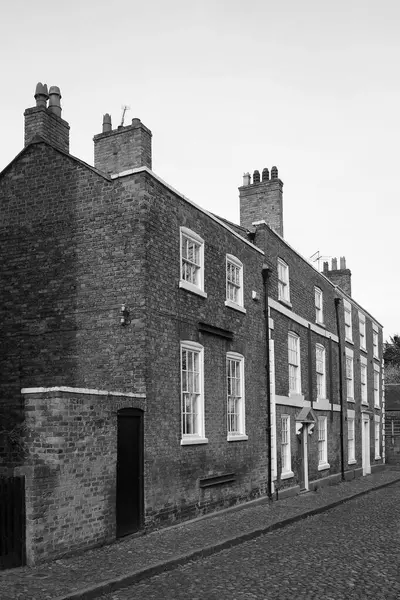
x,y
12,522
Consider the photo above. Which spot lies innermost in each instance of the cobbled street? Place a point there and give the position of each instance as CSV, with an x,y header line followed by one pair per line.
x,y
352,551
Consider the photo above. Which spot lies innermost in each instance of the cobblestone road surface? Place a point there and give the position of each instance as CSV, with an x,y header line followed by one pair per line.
x,y
350,552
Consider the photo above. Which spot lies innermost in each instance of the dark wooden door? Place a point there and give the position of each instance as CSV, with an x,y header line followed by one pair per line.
x,y
129,471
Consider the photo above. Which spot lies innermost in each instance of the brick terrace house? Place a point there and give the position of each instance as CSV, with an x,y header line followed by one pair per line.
x,y
158,361
392,423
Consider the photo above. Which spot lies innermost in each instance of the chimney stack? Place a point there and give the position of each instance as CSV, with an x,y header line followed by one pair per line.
x,y
45,121
117,150
340,277
262,200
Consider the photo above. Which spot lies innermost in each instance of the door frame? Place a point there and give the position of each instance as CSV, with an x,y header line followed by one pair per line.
x,y
365,443
304,444
137,413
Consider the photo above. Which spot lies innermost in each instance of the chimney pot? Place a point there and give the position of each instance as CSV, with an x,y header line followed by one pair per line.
x,y
342,262
334,264
41,95
54,100
326,267
274,173
246,179
265,175
256,176
107,126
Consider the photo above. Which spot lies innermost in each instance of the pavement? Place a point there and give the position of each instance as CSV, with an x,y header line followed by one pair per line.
x,y
114,567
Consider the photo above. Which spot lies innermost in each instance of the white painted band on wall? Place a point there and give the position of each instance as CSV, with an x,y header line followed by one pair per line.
x,y
299,402
289,313
73,390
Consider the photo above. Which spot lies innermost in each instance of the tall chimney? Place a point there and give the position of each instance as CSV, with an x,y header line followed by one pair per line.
x,y
45,121
117,150
262,200
340,277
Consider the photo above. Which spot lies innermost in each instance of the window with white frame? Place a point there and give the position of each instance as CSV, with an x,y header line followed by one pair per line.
x,y
377,439
192,261
294,363
375,340
192,385
283,281
322,442
363,378
376,386
319,314
351,440
347,321
234,282
321,371
349,375
361,322
286,461
235,398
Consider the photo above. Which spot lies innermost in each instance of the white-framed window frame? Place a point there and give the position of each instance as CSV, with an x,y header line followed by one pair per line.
x,y
319,305
294,363
191,262
286,452
192,393
364,380
377,437
283,281
377,373
351,440
236,406
362,331
375,340
320,364
348,324
323,443
234,283
349,373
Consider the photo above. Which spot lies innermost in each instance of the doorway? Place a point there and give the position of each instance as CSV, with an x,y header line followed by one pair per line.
x,y
129,504
365,444
303,457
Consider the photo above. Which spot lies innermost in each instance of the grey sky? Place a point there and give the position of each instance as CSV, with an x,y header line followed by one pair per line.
x,y
226,87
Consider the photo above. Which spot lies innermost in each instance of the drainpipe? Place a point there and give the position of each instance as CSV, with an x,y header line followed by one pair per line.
x,y
331,375
337,303
310,369
265,275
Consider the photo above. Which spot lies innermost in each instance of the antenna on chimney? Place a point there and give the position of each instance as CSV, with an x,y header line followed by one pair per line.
x,y
317,257
124,109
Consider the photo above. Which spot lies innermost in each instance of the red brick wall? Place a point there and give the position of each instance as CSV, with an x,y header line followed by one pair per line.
x,y
173,471
72,252
124,148
70,470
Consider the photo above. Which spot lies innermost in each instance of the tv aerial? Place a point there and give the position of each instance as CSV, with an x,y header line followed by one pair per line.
x,y
124,108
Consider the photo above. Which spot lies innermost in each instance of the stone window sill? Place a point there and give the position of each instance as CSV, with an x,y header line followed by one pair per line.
x,y
241,437
192,288
237,307
191,441
352,462
285,302
287,475
324,466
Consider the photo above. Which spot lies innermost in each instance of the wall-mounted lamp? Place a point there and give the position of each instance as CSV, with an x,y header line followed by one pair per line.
x,y
124,315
